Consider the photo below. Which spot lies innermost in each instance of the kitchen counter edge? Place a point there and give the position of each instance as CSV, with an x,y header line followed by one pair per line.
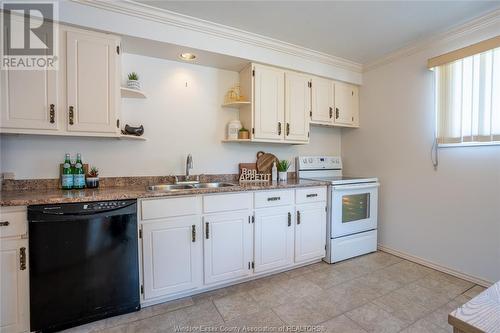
x,y
57,196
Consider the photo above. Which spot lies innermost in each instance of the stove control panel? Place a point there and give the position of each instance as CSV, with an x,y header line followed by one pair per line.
x,y
318,163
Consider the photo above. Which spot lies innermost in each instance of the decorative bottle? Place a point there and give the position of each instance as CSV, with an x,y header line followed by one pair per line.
x,y
274,172
78,173
67,174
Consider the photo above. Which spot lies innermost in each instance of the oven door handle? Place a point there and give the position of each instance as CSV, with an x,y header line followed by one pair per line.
x,y
355,187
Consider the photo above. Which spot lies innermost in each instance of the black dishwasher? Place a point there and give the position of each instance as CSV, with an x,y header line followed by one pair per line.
x,y
83,263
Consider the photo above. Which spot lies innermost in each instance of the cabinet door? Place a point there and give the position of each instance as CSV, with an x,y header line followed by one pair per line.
x,y
269,100
92,82
172,256
310,232
14,303
273,238
346,104
228,246
297,106
322,101
29,98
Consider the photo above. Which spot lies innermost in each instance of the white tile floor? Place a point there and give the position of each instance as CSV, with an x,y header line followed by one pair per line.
x,y
372,293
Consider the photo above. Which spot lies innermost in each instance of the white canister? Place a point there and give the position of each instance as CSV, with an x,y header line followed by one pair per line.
x,y
233,128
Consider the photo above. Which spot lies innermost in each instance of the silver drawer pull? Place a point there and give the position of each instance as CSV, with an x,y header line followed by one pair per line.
x,y
4,224
273,198
312,195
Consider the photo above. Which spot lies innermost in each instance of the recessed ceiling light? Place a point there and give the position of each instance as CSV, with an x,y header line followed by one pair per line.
x,y
187,56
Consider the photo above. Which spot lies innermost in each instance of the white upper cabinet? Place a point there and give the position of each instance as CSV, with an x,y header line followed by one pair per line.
x,y
227,246
322,101
297,106
92,82
346,105
310,232
274,233
29,99
269,103
80,98
172,256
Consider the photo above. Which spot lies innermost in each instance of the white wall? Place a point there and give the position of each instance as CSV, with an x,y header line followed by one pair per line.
x,y
178,120
450,216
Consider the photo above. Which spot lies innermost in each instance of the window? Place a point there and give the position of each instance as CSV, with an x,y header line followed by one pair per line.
x,y
468,95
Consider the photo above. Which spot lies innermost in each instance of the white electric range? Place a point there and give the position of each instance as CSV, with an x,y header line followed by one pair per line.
x,y
352,207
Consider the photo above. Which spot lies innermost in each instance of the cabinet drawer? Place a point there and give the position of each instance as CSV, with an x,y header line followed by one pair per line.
x,y
273,198
169,207
13,221
310,194
227,202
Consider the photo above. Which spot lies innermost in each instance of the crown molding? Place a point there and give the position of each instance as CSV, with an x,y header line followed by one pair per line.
x,y
155,14
478,23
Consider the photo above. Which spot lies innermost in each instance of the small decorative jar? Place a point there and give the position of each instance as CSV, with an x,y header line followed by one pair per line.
x,y
92,182
233,127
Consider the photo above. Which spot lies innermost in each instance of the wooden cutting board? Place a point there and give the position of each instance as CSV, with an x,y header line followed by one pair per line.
x,y
248,166
265,162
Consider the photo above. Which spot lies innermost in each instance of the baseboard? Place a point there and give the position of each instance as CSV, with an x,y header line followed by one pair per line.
x,y
430,264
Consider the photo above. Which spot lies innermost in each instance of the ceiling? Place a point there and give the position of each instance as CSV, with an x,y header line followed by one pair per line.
x,y
361,31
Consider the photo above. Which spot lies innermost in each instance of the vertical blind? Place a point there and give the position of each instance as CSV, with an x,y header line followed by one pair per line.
x,y
468,99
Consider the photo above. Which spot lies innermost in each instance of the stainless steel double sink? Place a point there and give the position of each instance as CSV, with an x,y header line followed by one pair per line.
x,y
179,187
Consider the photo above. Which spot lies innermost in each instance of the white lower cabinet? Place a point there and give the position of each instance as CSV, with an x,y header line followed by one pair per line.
x,y
14,303
228,246
194,244
310,232
172,256
273,238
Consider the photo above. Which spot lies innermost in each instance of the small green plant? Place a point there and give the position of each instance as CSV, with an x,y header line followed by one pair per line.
x,y
93,173
243,129
283,165
133,76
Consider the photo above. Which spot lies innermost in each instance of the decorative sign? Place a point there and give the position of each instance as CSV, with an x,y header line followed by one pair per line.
x,y
251,176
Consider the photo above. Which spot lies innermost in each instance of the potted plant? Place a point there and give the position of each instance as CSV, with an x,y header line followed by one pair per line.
x,y
283,167
133,81
243,133
92,179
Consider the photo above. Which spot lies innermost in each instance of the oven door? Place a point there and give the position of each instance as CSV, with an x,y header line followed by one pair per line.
x,y
354,208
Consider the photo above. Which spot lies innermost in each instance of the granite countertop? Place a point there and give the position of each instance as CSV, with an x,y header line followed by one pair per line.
x,y
56,196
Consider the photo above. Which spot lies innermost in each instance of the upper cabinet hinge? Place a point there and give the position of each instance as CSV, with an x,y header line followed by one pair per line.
x,y
309,84
253,130
308,133
140,233
118,49
117,123
253,218
142,289
310,113
253,72
253,264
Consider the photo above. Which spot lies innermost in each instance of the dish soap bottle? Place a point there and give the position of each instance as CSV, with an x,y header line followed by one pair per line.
x,y
274,172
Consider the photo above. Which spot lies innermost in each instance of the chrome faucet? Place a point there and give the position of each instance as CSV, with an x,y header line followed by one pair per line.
x,y
189,165
187,177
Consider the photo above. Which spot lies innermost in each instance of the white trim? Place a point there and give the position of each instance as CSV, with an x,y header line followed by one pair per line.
x,y
478,23
167,17
468,144
438,267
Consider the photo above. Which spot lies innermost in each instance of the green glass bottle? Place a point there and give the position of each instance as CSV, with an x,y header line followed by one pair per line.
x,y
67,174
78,173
